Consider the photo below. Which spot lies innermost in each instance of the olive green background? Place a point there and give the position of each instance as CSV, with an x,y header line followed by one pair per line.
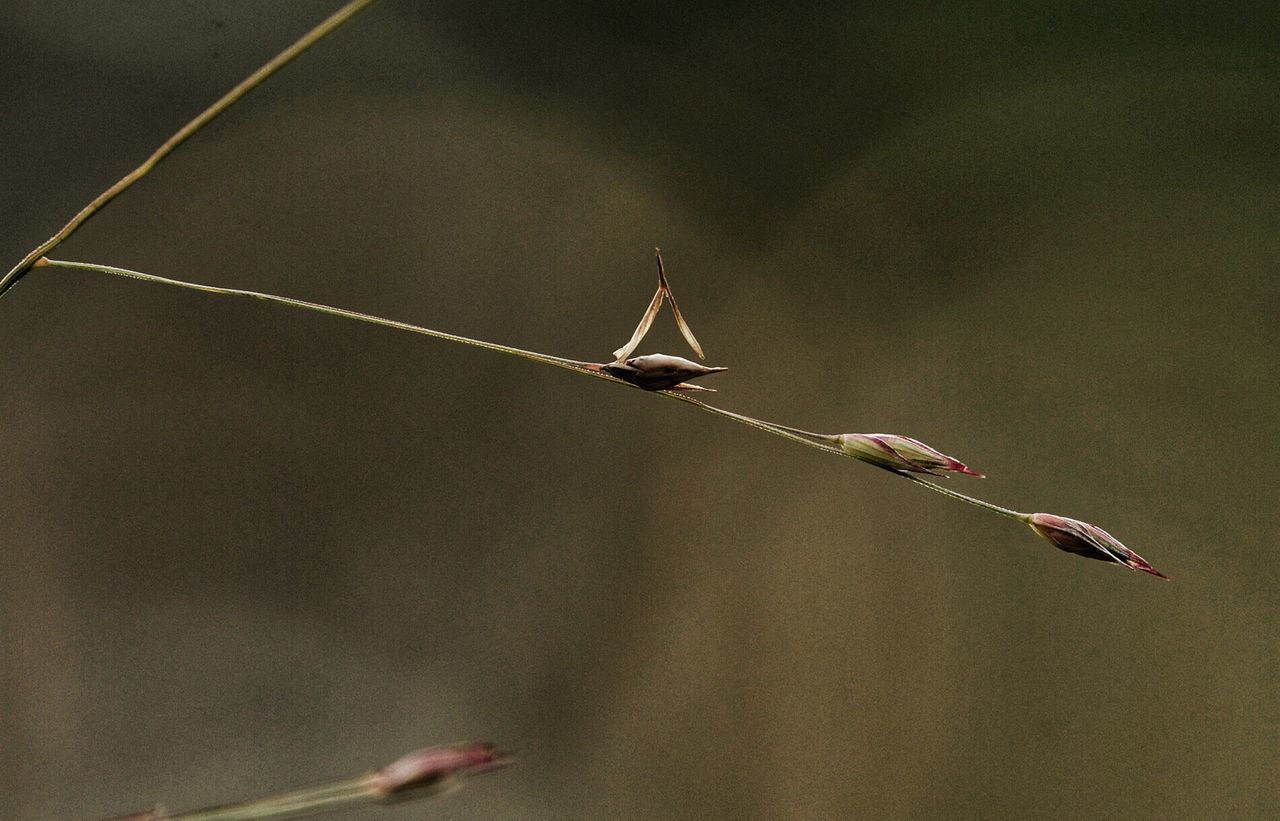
x,y
246,548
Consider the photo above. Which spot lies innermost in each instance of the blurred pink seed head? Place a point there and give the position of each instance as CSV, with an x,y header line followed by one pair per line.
x,y
901,454
1090,541
428,768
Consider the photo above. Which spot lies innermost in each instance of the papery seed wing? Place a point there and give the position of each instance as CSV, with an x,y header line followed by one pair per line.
x,y
665,287
646,322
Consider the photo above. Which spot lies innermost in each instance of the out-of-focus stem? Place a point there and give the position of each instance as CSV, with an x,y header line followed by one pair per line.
x,y
327,798
419,774
246,85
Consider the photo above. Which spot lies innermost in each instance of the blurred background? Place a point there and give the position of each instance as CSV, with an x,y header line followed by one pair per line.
x,y
248,548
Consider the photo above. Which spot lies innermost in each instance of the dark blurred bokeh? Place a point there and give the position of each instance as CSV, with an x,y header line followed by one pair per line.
x,y
247,548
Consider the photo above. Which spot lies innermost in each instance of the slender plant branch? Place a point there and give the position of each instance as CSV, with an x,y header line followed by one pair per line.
x,y
825,442
546,359
249,83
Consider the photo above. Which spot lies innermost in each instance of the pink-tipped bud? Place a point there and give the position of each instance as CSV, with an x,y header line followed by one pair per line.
x,y
1090,541
901,454
428,768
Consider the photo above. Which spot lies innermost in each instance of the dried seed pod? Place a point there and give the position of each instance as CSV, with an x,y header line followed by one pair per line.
x,y
658,371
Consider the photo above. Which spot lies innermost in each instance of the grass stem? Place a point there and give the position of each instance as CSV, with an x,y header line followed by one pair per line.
x,y
954,494
828,443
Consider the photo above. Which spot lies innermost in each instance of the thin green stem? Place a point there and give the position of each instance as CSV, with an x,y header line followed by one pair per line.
x,y
946,491
557,361
828,443
249,83
830,440
820,441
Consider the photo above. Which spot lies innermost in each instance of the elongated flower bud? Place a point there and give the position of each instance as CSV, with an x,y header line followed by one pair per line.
x,y
900,454
658,371
1090,541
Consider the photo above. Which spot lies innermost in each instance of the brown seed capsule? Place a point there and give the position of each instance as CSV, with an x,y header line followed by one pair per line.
x,y
658,371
